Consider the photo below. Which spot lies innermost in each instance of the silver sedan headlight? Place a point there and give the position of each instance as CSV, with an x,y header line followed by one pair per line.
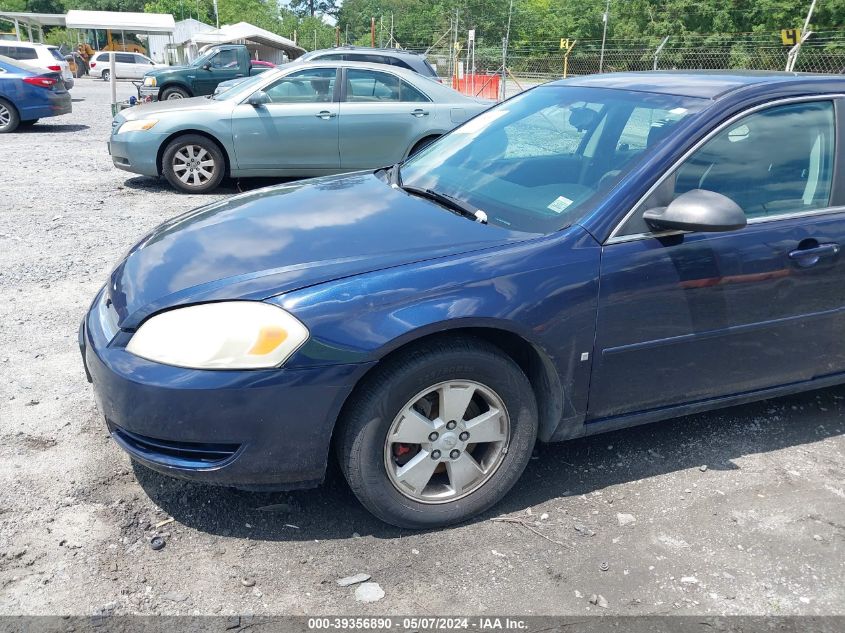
x,y
228,335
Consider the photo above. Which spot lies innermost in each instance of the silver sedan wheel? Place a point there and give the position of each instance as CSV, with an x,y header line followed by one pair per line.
x,y
193,165
447,441
5,116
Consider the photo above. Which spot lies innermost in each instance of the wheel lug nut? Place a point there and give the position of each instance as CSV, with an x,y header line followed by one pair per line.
x,y
451,424
464,436
435,454
455,454
432,437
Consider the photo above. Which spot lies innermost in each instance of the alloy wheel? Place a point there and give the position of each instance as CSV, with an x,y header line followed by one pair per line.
x,y
174,95
5,116
447,441
193,165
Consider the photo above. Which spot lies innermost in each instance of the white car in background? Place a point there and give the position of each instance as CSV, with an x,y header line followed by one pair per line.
x,y
126,65
39,55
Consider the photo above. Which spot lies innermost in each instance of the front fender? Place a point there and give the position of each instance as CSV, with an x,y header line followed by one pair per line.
x,y
543,290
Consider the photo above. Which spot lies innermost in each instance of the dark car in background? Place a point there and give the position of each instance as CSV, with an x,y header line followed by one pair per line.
x,y
390,56
28,93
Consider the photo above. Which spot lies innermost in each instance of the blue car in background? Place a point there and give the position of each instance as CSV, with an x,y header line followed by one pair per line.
x,y
28,94
593,254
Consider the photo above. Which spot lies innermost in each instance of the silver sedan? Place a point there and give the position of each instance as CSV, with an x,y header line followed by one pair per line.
x,y
300,120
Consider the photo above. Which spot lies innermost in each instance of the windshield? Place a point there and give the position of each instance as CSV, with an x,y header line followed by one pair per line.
x,y
536,162
245,85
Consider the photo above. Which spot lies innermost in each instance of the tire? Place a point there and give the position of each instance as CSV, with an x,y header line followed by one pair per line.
x,y
29,123
379,407
9,119
106,75
174,92
422,144
185,161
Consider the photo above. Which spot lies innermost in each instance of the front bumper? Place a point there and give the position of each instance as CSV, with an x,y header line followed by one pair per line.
x,y
148,92
267,429
136,151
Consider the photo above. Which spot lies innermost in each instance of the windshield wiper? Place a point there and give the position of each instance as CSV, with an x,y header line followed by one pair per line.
x,y
453,204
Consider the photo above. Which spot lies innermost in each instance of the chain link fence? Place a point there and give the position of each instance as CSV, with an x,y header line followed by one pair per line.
x,y
823,52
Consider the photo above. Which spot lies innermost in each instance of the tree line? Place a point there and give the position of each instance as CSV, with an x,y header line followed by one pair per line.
x,y
534,24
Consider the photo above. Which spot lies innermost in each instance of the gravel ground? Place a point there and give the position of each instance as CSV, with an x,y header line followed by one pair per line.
x,y
735,512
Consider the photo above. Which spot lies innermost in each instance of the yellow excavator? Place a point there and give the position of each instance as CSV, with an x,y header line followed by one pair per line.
x,y
130,47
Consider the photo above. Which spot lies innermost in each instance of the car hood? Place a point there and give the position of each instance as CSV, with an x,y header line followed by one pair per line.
x,y
167,70
194,104
287,237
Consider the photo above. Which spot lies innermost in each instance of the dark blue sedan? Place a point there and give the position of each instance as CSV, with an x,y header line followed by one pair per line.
x,y
28,94
593,254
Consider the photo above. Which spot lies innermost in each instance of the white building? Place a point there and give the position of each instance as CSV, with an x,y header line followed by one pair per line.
x,y
177,49
191,36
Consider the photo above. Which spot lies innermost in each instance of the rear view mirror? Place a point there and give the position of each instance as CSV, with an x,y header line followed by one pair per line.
x,y
583,119
206,66
258,98
697,210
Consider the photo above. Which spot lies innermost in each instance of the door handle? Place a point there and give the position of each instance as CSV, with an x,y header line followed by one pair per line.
x,y
418,113
325,115
806,257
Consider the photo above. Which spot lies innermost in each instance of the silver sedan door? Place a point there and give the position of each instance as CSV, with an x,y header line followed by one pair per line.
x,y
296,130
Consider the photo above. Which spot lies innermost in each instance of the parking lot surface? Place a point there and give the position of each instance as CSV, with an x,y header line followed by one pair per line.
x,y
741,511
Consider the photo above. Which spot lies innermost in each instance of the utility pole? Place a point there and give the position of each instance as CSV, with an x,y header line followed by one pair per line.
x,y
337,36
372,32
505,41
605,19
216,14
792,58
455,51
346,39
390,43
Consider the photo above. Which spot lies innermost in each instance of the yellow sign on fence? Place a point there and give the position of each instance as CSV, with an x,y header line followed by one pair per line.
x,y
790,37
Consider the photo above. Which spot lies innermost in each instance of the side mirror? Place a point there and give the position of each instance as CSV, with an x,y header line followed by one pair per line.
x,y
206,66
258,98
697,210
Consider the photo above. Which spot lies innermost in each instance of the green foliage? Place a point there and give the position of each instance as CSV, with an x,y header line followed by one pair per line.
x,y
541,23
202,10
62,37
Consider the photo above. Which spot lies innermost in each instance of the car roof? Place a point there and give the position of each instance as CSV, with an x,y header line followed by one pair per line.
x,y
398,70
424,82
708,84
28,44
398,52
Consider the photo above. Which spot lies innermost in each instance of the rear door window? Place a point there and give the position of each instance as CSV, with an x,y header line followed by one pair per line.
x,y
22,52
372,86
124,58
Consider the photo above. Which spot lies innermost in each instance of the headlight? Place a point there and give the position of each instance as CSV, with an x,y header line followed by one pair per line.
x,y
230,335
150,82
137,125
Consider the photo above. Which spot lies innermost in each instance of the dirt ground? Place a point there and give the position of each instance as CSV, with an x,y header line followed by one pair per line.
x,y
736,512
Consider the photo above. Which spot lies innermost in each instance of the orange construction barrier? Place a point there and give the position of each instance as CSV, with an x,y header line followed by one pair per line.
x,y
478,85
